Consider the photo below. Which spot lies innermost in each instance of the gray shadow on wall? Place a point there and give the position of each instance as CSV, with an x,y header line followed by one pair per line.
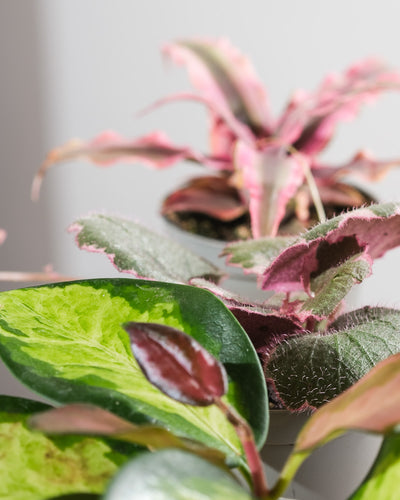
x,y
22,147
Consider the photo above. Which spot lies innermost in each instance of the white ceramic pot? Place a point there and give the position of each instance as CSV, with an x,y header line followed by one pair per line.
x,y
332,472
242,284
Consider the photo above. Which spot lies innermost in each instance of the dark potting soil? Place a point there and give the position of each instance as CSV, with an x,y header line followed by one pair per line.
x,y
206,226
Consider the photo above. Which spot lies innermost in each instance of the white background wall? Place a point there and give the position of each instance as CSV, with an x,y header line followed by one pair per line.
x,y
72,68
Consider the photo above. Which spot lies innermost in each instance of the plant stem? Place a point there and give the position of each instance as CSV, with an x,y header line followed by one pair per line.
x,y
315,194
289,470
319,207
246,437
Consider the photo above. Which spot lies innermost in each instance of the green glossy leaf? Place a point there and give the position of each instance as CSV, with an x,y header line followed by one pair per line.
x,y
226,78
34,466
382,482
66,341
172,475
309,370
135,249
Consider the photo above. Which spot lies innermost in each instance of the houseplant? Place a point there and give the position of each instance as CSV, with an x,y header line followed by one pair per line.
x,y
310,350
267,167
41,341
310,275
266,170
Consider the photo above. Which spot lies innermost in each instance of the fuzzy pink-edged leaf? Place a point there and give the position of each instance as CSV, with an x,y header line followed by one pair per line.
x,y
135,249
372,404
226,77
271,177
310,119
255,255
224,130
177,364
154,150
362,165
368,231
210,195
310,369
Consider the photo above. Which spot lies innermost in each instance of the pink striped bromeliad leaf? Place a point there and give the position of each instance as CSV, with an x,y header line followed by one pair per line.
x,y
226,78
154,150
266,159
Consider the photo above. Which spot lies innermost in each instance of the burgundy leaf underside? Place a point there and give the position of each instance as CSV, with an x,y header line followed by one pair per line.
x,y
210,195
177,364
297,265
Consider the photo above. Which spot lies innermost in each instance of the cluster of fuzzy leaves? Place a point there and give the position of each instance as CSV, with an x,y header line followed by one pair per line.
x,y
262,163
313,364
323,262
311,273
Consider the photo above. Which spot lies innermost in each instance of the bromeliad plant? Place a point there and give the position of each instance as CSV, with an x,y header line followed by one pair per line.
x,y
117,417
310,349
266,167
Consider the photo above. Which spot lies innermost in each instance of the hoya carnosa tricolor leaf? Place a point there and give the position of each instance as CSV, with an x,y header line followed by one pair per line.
x,y
177,364
366,232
